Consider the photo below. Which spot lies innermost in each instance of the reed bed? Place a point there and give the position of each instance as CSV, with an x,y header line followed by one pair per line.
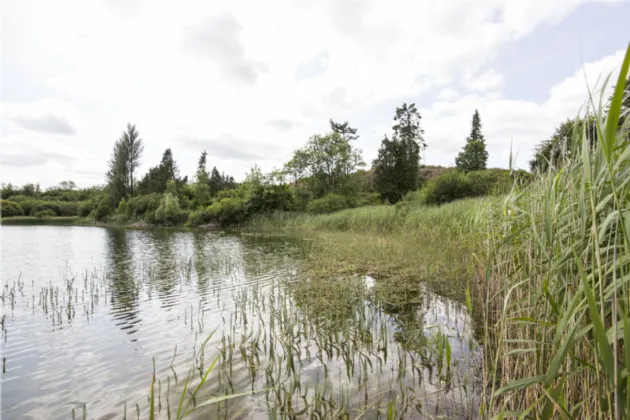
x,y
555,287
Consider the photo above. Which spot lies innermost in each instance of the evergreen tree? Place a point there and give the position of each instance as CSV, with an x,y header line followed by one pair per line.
x,y
474,156
123,162
344,129
215,182
202,188
155,180
397,165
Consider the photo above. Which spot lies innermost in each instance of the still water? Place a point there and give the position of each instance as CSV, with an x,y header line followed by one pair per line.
x,y
90,313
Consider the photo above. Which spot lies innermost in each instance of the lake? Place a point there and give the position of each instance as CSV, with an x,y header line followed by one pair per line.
x,y
91,315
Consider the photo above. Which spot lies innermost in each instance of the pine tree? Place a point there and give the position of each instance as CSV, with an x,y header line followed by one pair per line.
x,y
202,189
215,182
474,156
398,162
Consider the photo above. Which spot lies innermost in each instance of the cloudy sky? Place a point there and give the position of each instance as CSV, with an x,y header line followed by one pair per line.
x,y
249,81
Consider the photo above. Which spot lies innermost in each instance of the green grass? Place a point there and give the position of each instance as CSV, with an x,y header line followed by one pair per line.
x,y
30,220
436,245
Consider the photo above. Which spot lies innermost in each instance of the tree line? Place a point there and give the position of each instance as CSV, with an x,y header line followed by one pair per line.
x,y
327,173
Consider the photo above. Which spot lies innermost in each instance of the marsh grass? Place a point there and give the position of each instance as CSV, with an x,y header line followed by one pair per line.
x,y
555,292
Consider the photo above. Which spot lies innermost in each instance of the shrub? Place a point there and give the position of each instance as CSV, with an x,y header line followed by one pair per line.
x,y
364,199
267,199
85,208
197,218
10,209
169,213
301,197
144,206
227,211
122,207
45,213
449,186
103,210
328,204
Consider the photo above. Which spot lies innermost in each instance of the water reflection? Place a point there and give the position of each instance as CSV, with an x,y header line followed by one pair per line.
x,y
122,285
320,346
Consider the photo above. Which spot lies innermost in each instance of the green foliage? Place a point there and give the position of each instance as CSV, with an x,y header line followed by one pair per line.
x,y
10,209
169,213
474,157
198,217
44,213
455,185
157,177
269,198
123,162
397,166
301,197
555,151
143,207
328,204
326,161
122,207
227,211
85,208
103,210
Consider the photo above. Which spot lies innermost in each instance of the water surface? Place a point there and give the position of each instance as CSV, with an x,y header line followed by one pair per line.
x,y
86,310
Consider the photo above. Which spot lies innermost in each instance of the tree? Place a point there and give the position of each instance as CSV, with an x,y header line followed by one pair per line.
x,y
553,151
202,189
387,170
133,146
325,162
474,156
155,180
123,162
215,182
344,130
67,185
398,162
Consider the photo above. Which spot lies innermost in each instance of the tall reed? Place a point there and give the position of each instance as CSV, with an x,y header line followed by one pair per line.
x,y
555,287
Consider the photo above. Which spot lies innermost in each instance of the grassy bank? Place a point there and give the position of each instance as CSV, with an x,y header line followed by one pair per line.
x,y
436,245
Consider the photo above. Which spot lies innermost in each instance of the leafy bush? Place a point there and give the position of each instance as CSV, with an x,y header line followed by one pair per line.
x,y
59,208
44,213
10,209
169,213
85,208
196,218
103,210
301,197
455,185
269,198
328,204
144,207
122,207
364,199
227,211
449,186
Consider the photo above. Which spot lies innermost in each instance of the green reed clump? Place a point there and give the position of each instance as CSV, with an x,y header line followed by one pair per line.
x,y
556,291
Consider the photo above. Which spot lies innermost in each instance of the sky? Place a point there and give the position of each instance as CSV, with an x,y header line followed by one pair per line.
x,y
250,81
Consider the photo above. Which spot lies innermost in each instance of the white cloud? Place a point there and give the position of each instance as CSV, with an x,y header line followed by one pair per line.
x,y
113,62
488,80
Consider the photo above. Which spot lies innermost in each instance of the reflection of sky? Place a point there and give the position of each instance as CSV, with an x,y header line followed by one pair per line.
x,y
155,284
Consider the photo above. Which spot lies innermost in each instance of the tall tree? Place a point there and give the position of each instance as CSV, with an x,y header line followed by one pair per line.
x,y
215,182
132,143
202,189
344,130
155,180
325,162
397,165
118,173
474,156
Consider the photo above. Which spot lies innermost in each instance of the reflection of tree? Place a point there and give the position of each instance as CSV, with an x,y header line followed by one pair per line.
x,y
123,287
200,258
403,300
164,274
